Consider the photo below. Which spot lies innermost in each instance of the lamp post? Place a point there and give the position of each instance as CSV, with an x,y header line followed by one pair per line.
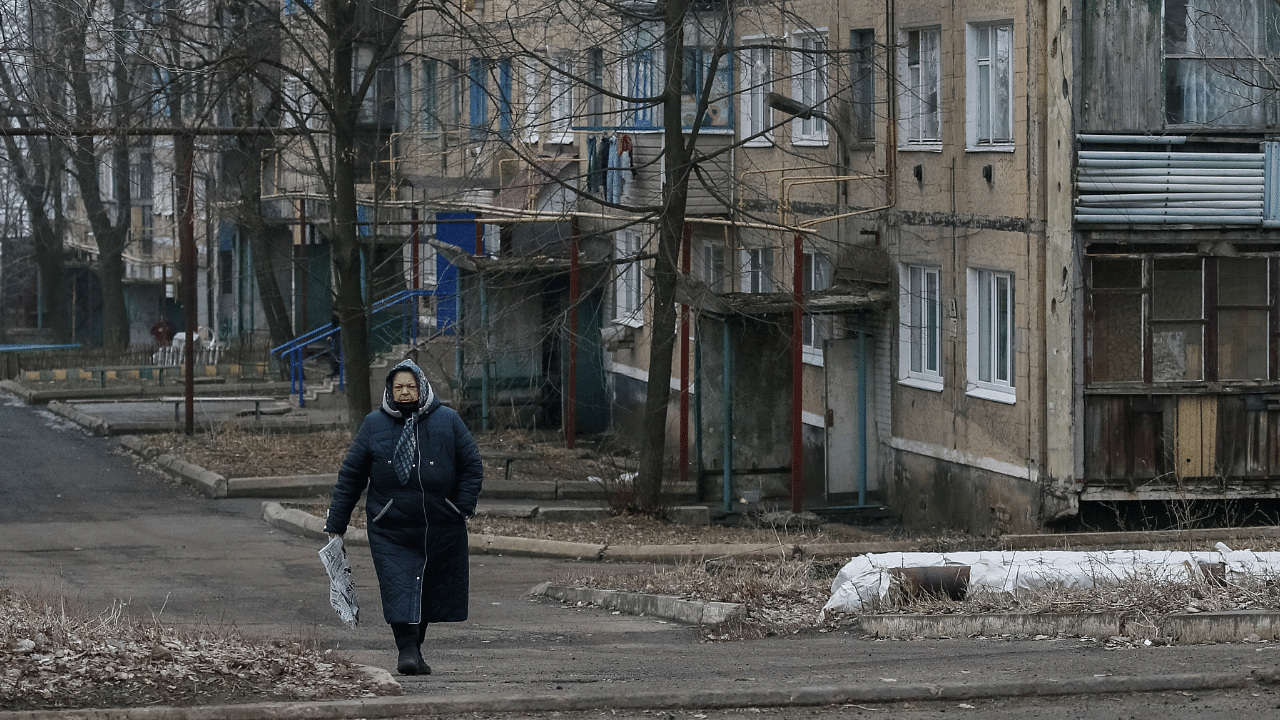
x,y
794,107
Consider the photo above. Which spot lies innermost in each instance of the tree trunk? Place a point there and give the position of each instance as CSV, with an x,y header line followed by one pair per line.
x,y
662,328
53,295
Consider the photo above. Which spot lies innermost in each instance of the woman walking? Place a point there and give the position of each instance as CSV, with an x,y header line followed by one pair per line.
x,y
424,473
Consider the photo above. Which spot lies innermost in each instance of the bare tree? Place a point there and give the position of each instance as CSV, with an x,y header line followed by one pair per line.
x,y
36,164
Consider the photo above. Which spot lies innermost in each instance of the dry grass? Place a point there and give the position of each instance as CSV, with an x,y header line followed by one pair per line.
x,y
58,654
233,452
1140,593
781,598
642,530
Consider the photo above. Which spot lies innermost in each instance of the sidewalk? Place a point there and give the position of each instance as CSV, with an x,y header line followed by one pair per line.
x,y
114,533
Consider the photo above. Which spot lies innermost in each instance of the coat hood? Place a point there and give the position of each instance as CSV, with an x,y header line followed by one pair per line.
x,y
426,396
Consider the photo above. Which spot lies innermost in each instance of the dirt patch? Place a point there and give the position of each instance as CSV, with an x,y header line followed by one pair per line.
x,y
56,653
234,452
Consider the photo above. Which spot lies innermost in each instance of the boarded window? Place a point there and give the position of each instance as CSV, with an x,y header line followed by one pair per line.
x,y
1180,319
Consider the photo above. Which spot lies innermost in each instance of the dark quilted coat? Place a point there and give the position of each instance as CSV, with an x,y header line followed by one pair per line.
x,y
418,540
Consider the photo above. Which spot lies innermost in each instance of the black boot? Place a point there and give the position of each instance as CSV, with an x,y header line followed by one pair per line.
x,y
409,661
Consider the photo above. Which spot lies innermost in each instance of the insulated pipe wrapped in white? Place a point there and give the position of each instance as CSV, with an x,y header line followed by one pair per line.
x,y
865,581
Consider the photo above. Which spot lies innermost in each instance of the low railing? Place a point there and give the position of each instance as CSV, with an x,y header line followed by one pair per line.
x,y
296,354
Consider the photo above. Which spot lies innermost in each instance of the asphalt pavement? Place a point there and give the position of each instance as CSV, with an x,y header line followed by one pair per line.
x,y
79,517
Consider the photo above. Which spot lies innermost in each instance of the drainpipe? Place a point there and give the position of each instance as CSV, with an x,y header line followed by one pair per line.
x,y
797,376
685,262
484,370
727,480
862,413
697,410
571,408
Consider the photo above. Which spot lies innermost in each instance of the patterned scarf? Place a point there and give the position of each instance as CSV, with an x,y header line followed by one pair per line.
x,y
406,452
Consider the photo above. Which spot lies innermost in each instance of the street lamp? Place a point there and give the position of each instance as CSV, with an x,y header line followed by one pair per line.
x,y
794,107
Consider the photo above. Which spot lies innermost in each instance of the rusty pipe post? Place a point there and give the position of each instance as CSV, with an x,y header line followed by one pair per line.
x,y
797,376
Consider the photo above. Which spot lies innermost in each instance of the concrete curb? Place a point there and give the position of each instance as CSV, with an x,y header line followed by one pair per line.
x,y
862,693
210,483
994,624
306,524
1134,540
95,425
17,389
297,486
1186,629
528,547
692,612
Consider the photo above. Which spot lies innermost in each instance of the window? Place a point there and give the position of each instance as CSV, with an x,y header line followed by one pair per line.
x,y
532,82
990,336
504,98
594,95
714,271
404,98
816,329
809,87
628,290
757,266
452,96
640,50
1162,319
702,33
920,334
862,82
428,105
1213,52
478,97
990,86
921,88
757,81
561,101
361,59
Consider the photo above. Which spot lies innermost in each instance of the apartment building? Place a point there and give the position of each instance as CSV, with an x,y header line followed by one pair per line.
x,y
983,264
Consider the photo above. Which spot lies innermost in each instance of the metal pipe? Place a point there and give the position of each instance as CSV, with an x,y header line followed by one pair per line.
x,y
1133,139
686,241
1197,171
726,482
1156,186
484,357
571,409
184,148
1174,199
862,415
697,408
1102,155
1174,179
1189,212
797,376
1169,219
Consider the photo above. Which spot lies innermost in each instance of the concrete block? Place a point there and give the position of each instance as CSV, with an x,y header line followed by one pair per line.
x,y
571,515
694,553
993,624
1215,627
505,510
580,490
692,612
284,486
829,551
499,545
690,515
518,489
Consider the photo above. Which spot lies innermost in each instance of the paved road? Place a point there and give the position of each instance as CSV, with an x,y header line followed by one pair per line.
x,y
79,517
